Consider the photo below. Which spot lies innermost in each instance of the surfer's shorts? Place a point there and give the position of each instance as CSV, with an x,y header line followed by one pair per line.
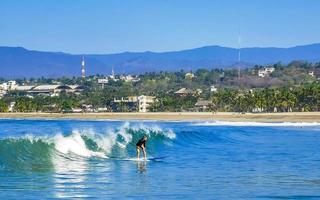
x,y
139,147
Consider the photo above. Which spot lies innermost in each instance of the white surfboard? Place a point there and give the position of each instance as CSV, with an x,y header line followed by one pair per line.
x,y
160,158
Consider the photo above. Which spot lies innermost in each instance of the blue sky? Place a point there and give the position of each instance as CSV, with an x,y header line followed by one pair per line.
x,y
110,26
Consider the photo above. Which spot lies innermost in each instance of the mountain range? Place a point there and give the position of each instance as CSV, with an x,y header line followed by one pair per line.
x,y
18,62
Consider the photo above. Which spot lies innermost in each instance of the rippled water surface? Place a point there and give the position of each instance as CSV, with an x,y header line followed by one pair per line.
x,y
91,159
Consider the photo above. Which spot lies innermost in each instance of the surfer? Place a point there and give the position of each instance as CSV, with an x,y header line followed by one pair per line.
x,y
141,144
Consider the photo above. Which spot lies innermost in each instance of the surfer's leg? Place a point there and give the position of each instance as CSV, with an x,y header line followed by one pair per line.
x,y
144,152
138,152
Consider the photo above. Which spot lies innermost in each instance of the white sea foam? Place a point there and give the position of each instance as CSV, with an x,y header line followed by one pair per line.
x,y
280,124
74,144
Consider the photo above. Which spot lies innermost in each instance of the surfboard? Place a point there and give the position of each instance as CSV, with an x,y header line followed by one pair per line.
x,y
154,159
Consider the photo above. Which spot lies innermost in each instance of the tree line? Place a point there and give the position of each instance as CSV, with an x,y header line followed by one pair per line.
x,y
301,98
285,99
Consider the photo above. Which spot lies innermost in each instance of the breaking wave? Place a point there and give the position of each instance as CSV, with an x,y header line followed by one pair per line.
x,y
39,152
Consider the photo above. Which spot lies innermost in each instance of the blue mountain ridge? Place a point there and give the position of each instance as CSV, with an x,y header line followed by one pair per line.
x,y
18,62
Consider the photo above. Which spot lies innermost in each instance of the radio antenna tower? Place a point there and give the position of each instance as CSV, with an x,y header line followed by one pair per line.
x,y
239,55
83,69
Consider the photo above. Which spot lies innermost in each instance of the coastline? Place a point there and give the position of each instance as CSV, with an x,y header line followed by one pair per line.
x,y
175,116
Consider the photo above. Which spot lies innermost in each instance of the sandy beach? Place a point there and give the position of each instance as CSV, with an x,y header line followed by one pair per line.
x,y
179,116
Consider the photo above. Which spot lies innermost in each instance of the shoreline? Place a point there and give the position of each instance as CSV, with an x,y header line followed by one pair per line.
x,y
175,116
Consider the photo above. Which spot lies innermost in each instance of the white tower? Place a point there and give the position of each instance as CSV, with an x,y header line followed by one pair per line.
x,y
112,73
83,69
239,55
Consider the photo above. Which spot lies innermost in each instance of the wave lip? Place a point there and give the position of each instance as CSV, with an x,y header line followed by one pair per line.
x,y
262,124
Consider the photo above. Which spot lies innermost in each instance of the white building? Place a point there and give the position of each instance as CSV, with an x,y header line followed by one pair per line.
x,y
261,73
102,109
24,88
311,73
189,75
269,69
129,78
4,86
3,89
76,89
144,102
50,90
213,88
12,85
102,82
135,79
265,72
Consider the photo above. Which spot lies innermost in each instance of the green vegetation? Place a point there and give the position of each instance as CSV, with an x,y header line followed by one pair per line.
x,y
289,88
3,106
285,99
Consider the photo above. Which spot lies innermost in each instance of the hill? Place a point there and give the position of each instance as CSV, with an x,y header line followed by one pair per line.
x,y
19,62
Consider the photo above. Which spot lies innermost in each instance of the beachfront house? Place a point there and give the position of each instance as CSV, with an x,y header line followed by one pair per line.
x,y
203,105
134,103
128,104
144,102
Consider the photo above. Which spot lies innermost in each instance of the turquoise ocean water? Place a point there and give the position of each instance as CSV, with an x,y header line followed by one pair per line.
x,y
78,159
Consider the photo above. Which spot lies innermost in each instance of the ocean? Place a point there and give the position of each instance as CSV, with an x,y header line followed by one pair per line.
x,y
80,159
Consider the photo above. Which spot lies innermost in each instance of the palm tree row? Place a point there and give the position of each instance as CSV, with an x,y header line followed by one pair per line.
x,y
302,98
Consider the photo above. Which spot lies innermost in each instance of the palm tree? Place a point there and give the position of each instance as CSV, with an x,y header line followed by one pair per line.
x,y
3,106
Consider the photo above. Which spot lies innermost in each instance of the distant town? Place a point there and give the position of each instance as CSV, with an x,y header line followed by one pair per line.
x,y
272,88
